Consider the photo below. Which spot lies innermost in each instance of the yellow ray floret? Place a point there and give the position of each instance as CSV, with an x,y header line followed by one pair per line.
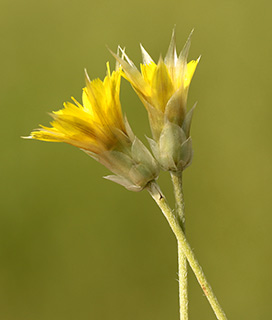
x,y
97,125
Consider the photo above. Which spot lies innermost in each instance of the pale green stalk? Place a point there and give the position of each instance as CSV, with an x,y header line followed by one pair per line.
x,y
182,261
159,198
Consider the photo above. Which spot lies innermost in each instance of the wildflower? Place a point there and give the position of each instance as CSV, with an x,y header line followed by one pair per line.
x,y
163,89
98,128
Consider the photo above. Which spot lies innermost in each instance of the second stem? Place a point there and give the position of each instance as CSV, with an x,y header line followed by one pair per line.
x,y
182,261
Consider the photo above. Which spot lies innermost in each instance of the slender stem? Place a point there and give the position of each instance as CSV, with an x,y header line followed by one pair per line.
x,y
159,198
177,184
182,261
183,284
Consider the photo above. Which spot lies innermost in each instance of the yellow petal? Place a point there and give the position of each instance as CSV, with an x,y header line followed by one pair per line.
x,y
162,86
147,71
47,135
191,66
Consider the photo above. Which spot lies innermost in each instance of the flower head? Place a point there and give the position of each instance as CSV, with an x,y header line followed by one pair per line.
x,y
98,128
96,125
163,89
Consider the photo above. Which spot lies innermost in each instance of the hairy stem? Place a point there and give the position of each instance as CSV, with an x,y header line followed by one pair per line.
x,y
182,261
159,198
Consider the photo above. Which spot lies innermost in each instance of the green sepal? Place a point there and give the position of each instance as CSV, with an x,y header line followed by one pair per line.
x,y
145,167
171,139
128,129
175,109
134,169
186,154
186,126
154,147
117,162
123,182
91,154
141,154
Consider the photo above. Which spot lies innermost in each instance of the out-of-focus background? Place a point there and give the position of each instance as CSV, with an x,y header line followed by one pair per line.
x,y
75,246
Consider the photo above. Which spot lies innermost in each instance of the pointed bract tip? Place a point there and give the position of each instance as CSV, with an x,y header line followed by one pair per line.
x,y
109,49
189,38
120,53
160,59
171,55
195,104
113,53
174,32
185,51
28,137
116,56
122,50
87,78
146,57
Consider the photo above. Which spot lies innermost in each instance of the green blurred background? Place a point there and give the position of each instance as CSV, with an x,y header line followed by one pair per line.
x,y
75,246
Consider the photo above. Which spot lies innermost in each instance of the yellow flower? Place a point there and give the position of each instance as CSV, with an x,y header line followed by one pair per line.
x,y
98,128
96,125
163,89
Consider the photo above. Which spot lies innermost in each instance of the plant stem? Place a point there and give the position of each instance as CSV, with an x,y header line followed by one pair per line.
x,y
177,184
159,198
182,261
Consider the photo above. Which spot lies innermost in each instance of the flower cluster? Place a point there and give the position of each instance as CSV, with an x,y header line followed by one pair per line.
x,y
97,126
